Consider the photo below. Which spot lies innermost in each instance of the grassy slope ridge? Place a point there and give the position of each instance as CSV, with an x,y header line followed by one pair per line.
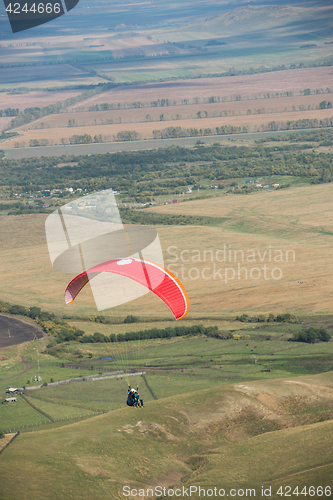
x,y
251,436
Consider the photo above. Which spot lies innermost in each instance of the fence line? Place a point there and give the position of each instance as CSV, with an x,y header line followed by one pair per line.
x,y
9,442
88,378
149,388
36,408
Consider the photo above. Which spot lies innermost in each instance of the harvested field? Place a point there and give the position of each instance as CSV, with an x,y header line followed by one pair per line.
x,y
14,331
34,99
245,85
4,122
296,220
36,73
253,122
153,114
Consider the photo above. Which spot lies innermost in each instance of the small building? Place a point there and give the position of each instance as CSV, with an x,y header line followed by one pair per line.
x,y
276,185
258,186
12,390
174,201
10,400
266,187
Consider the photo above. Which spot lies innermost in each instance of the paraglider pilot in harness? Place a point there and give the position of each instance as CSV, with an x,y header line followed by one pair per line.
x,y
133,398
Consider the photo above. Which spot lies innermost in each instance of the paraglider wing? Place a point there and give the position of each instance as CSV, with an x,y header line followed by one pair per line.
x,y
157,279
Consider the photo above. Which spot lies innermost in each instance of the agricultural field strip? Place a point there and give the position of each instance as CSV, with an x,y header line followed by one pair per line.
x,y
145,130
283,76
177,113
116,147
278,81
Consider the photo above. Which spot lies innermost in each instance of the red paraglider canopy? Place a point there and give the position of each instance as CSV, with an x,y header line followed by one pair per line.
x,y
157,279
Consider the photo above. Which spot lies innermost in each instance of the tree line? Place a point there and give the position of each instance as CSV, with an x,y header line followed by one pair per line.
x,y
141,175
155,333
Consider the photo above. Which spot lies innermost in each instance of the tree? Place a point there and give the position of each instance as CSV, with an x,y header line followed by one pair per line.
x,y
131,319
18,310
34,312
312,335
2,434
324,335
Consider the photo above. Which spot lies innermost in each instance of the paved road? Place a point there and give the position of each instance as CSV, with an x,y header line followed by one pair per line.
x,y
113,147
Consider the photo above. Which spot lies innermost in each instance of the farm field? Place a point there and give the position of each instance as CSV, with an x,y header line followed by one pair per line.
x,y
267,423
34,99
173,367
250,123
297,236
44,73
139,145
252,113
242,406
248,86
153,114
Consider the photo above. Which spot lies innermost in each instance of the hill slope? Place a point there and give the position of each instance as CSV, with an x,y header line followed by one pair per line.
x,y
242,436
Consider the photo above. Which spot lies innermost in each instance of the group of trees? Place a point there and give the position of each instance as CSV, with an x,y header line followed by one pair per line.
x,y
141,175
40,142
158,103
80,139
311,335
154,333
9,112
325,105
177,132
261,318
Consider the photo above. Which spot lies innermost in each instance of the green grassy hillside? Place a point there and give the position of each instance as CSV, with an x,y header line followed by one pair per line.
x,y
241,436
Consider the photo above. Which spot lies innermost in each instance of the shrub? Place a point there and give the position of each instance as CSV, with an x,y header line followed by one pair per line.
x,y
311,335
131,319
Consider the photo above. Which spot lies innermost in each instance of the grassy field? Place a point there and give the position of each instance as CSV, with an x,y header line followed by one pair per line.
x,y
288,230
248,413
251,412
173,367
261,433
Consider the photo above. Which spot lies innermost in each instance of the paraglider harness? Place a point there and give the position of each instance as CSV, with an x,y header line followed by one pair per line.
x,y
133,398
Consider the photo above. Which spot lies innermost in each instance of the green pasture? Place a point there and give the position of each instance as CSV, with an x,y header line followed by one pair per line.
x,y
17,415
212,437
173,367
